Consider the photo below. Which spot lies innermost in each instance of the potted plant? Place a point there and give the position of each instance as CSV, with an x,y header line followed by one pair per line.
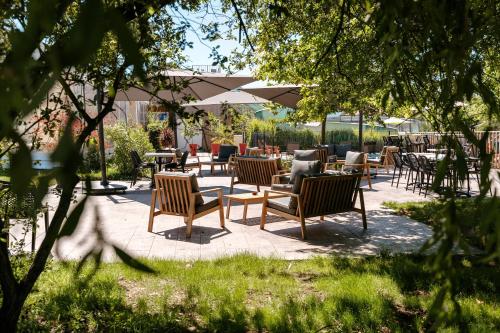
x,y
190,131
370,146
167,138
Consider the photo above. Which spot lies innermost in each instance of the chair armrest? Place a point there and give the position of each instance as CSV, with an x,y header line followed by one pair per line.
x,y
276,179
217,189
284,194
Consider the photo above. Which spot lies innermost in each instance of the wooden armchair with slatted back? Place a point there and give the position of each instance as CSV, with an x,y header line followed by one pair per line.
x,y
179,195
254,171
316,195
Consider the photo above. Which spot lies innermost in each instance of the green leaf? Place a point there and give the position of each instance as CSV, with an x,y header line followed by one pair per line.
x,y
72,220
21,170
129,261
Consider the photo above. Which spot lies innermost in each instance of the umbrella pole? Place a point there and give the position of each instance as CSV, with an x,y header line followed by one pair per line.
x,y
102,150
360,131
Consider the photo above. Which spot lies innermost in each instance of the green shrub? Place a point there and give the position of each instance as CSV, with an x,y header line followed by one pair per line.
x,y
91,158
125,139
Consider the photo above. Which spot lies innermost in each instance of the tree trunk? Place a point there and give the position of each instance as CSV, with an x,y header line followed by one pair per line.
x,y
172,122
323,131
11,311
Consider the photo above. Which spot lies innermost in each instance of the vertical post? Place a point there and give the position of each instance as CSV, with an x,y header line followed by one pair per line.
x,y
102,150
172,122
360,131
323,130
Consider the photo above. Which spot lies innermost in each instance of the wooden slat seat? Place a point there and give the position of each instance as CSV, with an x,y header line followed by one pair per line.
x,y
320,195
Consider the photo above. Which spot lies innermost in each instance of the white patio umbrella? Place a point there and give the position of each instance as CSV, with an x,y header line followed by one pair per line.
x,y
197,85
214,103
394,121
285,94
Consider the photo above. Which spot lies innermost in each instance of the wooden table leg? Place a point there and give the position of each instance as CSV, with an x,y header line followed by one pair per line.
x,y
228,208
245,212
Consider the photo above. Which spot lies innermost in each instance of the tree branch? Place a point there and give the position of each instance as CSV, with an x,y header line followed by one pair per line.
x,y
74,99
333,42
242,24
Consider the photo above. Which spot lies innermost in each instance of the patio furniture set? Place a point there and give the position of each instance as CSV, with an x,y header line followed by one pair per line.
x,y
309,190
420,170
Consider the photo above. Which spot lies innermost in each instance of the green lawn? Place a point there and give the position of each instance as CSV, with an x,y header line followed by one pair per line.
x,y
469,212
245,293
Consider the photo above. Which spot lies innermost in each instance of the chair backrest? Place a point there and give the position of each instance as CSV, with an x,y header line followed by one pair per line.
x,y
396,157
226,151
329,194
174,192
253,151
425,164
323,155
256,171
136,159
292,147
184,158
413,161
389,159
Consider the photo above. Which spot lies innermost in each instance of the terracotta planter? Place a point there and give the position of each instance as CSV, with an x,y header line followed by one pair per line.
x,y
243,148
193,149
214,148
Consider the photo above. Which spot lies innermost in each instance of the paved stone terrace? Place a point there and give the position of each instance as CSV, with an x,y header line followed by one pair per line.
x,y
124,218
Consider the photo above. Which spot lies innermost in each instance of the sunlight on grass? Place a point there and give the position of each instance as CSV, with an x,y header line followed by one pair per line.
x,y
246,293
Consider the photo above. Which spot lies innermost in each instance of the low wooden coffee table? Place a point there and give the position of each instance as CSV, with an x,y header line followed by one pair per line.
x,y
247,198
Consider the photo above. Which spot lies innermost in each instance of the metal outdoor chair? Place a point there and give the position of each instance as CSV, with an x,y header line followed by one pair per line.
x,y
398,166
178,166
139,165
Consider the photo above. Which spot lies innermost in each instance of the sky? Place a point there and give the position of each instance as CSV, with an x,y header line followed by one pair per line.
x,y
199,54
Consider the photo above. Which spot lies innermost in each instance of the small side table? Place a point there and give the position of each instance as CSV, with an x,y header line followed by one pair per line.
x,y
245,199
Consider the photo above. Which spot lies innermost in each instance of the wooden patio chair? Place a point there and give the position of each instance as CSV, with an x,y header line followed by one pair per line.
x,y
291,148
316,195
179,195
355,161
254,171
385,160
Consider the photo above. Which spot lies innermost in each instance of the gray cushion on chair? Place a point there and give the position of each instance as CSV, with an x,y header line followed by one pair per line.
x,y
301,167
209,202
353,157
342,149
282,187
282,204
305,155
195,188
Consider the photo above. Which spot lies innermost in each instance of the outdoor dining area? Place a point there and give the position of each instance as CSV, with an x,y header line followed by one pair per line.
x,y
298,184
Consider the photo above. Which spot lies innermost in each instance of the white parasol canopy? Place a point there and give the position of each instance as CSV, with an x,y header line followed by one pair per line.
x,y
285,94
214,103
394,121
191,84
